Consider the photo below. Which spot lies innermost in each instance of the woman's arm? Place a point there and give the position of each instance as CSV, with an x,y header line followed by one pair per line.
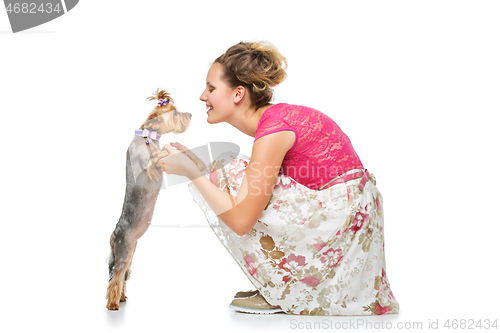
x,y
241,213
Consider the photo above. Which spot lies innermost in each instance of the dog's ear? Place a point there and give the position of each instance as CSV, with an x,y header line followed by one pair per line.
x,y
156,124
153,124
138,156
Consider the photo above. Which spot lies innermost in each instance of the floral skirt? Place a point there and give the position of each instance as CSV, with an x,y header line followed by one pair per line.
x,y
311,252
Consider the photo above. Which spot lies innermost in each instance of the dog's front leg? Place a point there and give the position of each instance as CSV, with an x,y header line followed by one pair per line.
x,y
156,156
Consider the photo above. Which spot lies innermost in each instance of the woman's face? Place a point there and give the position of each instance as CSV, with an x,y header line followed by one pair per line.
x,y
218,96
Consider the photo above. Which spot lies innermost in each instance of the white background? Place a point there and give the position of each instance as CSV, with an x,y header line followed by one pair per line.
x,y
414,84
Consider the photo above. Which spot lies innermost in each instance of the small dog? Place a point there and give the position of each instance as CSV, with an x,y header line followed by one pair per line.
x,y
143,186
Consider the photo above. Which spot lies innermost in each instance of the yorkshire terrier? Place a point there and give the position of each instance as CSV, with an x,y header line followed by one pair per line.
x,y
144,181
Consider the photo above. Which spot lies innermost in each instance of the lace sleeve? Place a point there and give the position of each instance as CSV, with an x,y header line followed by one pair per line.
x,y
272,123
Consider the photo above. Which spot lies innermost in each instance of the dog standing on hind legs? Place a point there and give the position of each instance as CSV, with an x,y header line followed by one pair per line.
x,y
143,186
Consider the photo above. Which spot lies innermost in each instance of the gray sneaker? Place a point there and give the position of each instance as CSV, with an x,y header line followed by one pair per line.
x,y
255,304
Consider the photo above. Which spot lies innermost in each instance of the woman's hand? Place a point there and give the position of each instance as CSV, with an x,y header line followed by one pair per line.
x,y
199,163
179,162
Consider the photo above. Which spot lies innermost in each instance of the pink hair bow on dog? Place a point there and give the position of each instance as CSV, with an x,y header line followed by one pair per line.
x,y
162,101
147,134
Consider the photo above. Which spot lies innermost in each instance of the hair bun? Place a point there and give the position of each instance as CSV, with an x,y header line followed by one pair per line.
x,y
257,65
272,61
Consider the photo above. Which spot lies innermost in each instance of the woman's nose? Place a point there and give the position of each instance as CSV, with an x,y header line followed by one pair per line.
x,y
203,98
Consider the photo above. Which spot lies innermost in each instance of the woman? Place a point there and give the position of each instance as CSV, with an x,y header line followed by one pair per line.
x,y
302,217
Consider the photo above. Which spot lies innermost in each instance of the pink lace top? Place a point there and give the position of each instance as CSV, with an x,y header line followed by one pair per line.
x,y
321,150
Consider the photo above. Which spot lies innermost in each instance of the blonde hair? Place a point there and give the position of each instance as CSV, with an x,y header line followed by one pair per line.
x,y
258,66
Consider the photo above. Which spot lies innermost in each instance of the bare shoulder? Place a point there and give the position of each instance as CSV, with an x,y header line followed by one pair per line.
x,y
268,153
275,143
260,177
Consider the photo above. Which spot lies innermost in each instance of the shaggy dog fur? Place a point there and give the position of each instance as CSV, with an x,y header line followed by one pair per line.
x,y
144,181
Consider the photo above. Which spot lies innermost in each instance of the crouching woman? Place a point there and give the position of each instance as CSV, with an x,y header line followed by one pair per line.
x,y
302,217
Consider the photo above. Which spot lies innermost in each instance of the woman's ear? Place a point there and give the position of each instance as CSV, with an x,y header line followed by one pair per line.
x,y
239,94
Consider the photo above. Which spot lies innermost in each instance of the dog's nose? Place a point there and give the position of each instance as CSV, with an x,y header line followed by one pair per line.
x,y
190,115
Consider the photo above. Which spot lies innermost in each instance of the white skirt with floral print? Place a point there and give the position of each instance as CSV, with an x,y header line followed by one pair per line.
x,y
311,252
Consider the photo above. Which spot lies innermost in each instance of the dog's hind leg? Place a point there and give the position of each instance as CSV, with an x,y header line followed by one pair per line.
x,y
115,290
122,252
123,298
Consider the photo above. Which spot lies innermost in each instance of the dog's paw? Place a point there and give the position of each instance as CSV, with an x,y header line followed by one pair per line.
x,y
113,306
151,170
158,155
